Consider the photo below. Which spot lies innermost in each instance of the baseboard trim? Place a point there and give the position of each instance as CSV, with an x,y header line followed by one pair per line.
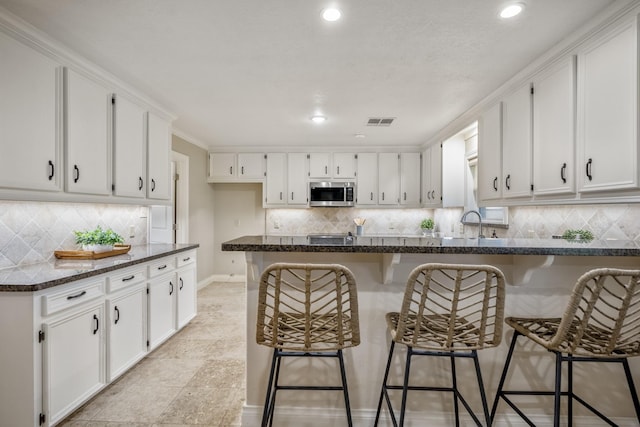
x,y
331,417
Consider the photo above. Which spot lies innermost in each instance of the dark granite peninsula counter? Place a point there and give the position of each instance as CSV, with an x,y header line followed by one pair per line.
x,y
429,245
540,274
45,275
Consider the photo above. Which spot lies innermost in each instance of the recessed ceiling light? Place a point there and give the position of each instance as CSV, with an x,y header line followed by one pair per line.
x,y
318,119
511,10
331,14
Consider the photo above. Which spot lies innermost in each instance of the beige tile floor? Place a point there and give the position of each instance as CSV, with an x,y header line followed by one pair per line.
x,y
195,378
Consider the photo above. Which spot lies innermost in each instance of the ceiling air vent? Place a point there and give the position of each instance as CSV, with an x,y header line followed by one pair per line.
x,y
380,121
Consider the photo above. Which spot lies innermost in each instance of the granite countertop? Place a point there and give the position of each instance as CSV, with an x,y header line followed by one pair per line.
x,y
416,244
34,277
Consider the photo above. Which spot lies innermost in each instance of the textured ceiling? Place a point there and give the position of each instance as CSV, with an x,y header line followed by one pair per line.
x,y
252,72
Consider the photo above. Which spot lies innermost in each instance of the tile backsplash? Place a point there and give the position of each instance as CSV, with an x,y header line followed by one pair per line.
x,y
606,221
31,231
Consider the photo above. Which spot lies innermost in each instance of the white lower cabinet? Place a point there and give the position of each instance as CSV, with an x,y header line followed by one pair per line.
x,y
127,323
73,355
187,287
162,290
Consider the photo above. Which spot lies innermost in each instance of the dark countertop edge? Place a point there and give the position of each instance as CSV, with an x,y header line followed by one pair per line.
x,y
79,276
479,250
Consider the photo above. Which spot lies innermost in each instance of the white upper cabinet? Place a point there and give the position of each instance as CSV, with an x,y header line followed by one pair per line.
x,y
453,172
432,176
367,183
297,182
236,167
251,167
410,179
490,155
388,178
320,165
554,102
516,143
222,166
129,149
158,164
30,118
332,166
344,165
88,136
275,186
608,111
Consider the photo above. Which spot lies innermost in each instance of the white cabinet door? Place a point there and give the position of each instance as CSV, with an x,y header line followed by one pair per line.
x,y
161,309
410,179
367,183
608,111
432,176
490,155
297,179
222,166
74,363
251,167
126,317
320,165
30,118
186,295
554,100
130,163
158,164
453,172
516,143
88,136
388,178
344,165
275,187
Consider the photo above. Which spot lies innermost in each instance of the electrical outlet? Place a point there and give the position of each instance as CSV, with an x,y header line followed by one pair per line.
x,y
132,231
276,224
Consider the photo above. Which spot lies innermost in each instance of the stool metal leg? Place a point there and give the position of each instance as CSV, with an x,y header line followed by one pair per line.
x,y
483,395
503,377
267,400
570,390
632,387
557,394
454,379
343,375
405,385
383,390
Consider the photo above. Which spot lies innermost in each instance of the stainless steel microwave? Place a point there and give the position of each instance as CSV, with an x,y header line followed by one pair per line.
x,y
332,194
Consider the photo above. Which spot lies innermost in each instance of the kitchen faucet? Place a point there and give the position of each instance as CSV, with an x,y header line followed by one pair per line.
x,y
464,216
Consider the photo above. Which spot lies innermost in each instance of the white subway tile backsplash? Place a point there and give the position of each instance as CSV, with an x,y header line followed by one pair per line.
x,y
31,231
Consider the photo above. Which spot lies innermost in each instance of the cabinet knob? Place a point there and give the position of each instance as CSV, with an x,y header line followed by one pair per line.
x,y
153,184
181,283
507,182
495,183
588,171
51,170
140,183
95,331
171,291
563,171
76,173
117,310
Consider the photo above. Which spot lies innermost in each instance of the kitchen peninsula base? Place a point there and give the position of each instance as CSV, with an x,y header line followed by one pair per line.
x,y
537,285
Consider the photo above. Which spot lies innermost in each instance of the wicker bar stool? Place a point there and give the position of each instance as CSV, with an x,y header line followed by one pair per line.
x,y
600,324
448,310
306,310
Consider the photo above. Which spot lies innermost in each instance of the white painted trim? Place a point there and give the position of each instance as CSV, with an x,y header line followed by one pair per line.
x,y
221,278
181,203
330,417
190,139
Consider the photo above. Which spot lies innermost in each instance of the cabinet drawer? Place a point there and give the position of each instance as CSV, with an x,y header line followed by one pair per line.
x,y
162,266
68,298
121,280
186,258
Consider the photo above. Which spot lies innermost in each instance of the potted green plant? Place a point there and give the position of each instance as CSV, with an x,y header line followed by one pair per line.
x,y
427,226
98,240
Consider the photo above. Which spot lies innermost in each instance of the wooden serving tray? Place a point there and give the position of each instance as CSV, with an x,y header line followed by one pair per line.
x,y
117,250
